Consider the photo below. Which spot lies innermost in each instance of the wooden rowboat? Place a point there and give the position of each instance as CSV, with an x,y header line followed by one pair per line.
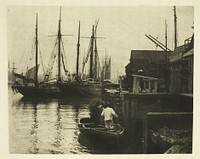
x,y
98,133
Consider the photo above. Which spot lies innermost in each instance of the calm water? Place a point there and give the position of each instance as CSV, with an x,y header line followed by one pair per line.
x,y
50,126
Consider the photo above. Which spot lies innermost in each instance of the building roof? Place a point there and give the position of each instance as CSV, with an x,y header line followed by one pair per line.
x,y
178,49
188,53
177,54
152,55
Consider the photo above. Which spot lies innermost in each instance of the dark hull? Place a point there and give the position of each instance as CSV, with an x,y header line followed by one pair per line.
x,y
82,89
98,133
61,90
88,89
29,91
67,89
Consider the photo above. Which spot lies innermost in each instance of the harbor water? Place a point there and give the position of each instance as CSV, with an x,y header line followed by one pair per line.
x,y
50,126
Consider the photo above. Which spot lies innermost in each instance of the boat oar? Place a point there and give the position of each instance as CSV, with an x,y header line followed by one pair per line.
x,y
71,128
85,128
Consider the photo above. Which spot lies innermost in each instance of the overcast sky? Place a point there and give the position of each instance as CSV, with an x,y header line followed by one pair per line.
x,y
123,27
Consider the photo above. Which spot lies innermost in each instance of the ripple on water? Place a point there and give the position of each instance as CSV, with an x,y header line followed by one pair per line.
x,y
49,127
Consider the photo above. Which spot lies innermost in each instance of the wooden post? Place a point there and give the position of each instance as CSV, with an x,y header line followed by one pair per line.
x,y
120,84
134,84
156,86
149,86
138,85
144,85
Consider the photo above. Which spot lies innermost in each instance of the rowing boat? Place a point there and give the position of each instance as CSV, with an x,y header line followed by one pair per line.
x,y
99,133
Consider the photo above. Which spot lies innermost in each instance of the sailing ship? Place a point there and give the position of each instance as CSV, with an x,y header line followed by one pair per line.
x,y
89,86
30,86
84,86
106,68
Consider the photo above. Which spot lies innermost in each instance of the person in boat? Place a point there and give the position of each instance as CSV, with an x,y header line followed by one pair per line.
x,y
102,105
96,112
100,109
108,113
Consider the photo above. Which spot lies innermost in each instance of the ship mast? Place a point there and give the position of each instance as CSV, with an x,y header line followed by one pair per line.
x,y
95,59
95,52
166,35
78,52
59,47
36,52
175,28
91,53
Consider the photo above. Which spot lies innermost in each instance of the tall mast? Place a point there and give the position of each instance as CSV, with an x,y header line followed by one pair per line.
x,y
78,49
95,59
109,69
91,53
166,35
59,46
36,51
175,28
104,65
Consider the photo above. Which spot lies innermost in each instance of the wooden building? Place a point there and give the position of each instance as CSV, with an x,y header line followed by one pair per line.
x,y
181,68
153,63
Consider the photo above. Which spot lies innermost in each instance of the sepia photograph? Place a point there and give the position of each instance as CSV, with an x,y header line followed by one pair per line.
x,y
100,79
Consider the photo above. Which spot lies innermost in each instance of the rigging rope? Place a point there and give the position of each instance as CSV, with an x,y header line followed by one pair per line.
x,y
41,61
89,47
23,65
51,62
64,65
29,56
99,64
65,58
87,57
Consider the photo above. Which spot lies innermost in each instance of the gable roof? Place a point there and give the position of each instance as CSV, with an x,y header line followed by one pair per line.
x,y
152,55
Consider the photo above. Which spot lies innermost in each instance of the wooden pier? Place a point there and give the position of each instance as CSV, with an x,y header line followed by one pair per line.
x,y
133,109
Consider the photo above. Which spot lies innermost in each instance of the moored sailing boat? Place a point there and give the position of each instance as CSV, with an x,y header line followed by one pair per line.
x,y
86,86
106,69
92,85
30,85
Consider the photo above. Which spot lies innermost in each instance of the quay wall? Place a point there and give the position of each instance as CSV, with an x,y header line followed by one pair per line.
x,y
133,108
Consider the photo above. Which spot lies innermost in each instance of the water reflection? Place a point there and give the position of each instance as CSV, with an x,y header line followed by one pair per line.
x,y
47,126
50,126
34,128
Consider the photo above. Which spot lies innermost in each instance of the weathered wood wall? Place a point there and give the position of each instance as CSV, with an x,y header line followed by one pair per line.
x,y
133,109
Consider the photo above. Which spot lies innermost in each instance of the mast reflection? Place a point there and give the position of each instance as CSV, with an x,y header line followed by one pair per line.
x,y
34,131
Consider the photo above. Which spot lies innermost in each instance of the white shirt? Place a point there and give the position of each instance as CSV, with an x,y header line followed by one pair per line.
x,y
108,113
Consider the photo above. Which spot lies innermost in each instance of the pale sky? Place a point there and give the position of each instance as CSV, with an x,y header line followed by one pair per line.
x,y
123,27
